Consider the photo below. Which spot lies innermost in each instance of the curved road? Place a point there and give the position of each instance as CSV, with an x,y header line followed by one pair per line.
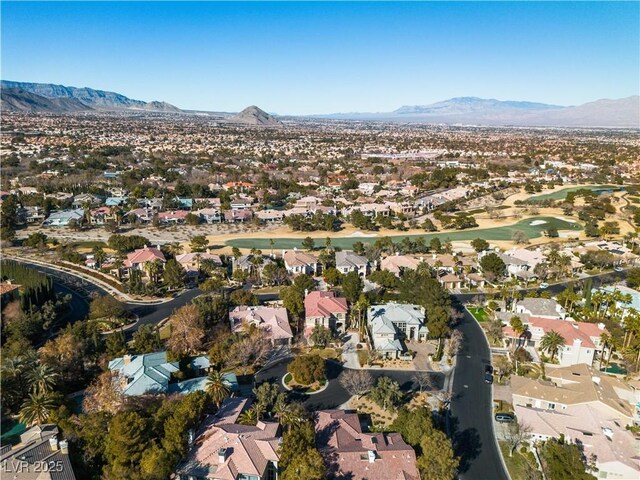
x,y
335,395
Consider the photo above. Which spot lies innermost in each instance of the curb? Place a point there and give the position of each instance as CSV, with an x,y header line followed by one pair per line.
x,y
493,427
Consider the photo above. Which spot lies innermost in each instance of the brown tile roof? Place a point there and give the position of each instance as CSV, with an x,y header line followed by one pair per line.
x,y
350,453
8,287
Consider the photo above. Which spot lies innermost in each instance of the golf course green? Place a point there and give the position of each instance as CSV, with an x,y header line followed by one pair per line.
x,y
540,224
562,194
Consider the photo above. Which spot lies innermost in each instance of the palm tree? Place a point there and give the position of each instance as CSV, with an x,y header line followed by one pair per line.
x,y
42,378
551,343
605,340
36,409
152,268
217,387
175,248
249,417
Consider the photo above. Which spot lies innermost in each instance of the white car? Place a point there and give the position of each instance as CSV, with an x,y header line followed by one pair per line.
x,y
544,285
618,269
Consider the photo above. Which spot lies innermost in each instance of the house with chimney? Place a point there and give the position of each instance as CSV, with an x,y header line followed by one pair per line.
x,y
272,321
581,339
41,454
152,374
223,449
586,407
348,452
324,309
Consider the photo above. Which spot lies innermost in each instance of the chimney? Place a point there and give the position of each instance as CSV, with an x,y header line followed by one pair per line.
x,y
64,446
222,455
53,442
596,379
126,359
371,455
306,292
158,247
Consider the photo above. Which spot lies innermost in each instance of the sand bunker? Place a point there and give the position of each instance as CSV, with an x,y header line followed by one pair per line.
x,y
537,222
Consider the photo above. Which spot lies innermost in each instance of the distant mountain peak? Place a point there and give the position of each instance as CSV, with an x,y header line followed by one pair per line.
x,y
254,115
49,97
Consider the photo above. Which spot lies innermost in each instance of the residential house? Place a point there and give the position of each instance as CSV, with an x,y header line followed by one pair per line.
x,y
137,259
575,385
62,218
324,309
116,201
391,323
348,261
140,215
191,262
350,453
297,262
397,263
581,339
31,215
616,450
144,374
223,449
450,281
173,217
248,263
241,203
541,308
274,322
209,214
83,199
233,216
151,373
40,455
270,215
101,215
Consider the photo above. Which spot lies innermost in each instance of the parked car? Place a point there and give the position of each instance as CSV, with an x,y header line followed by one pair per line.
x,y
488,369
544,285
618,269
488,377
505,417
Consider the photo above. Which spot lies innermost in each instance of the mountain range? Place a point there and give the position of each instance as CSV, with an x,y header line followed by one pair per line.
x,y
624,113
619,113
47,97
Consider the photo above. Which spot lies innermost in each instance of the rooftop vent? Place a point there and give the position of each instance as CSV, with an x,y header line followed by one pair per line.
x,y
64,446
53,443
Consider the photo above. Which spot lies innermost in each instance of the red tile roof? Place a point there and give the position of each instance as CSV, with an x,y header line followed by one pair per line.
x,y
324,304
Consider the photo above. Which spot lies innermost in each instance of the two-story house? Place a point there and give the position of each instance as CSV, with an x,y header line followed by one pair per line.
x,y
324,309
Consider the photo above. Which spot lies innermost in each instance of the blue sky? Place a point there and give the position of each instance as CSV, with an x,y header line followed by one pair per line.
x,y
301,58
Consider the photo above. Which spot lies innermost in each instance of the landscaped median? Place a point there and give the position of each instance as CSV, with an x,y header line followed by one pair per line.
x,y
306,374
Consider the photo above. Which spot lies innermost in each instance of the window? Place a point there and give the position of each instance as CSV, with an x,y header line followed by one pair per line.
x,y
552,406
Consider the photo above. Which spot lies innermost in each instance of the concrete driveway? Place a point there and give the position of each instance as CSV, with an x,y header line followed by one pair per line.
x,y
350,351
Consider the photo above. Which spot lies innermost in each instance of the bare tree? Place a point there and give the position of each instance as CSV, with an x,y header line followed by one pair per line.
x,y
516,434
424,380
250,350
105,394
187,331
444,398
455,343
357,382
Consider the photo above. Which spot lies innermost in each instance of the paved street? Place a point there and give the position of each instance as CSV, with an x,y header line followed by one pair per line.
x,y
334,395
471,408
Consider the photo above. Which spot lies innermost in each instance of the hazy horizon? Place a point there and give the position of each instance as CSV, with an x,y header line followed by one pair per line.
x,y
324,58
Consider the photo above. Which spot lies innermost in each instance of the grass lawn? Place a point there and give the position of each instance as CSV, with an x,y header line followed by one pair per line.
x,y
494,233
479,314
561,194
516,464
